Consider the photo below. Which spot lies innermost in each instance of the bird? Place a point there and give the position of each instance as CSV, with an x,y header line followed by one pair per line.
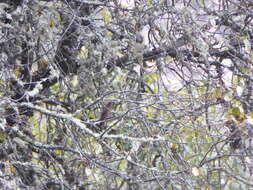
x,y
104,115
235,138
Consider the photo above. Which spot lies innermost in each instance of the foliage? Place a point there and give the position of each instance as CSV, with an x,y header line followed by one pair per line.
x,y
126,94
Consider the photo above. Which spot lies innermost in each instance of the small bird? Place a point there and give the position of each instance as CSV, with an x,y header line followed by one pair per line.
x,y
106,111
235,135
105,114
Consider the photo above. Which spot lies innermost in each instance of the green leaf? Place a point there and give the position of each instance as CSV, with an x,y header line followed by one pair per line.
x,y
2,135
55,88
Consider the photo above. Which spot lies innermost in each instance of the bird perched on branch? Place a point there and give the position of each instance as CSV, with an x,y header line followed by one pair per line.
x,y
106,111
235,134
105,114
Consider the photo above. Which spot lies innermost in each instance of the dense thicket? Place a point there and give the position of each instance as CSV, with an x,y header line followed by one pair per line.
x,y
126,94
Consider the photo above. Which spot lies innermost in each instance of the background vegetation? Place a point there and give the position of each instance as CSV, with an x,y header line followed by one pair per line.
x,y
126,94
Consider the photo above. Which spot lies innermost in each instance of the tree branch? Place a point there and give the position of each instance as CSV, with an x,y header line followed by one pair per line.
x,y
82,125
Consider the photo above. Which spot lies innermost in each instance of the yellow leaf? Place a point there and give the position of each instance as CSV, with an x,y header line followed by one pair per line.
x,y
10,168
39,126
59,152
51,23
79,116
106,15
217,93
55,88
2,135
42,63
238,115
195,171
83,52
109,33
173,147
17,71
59,17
